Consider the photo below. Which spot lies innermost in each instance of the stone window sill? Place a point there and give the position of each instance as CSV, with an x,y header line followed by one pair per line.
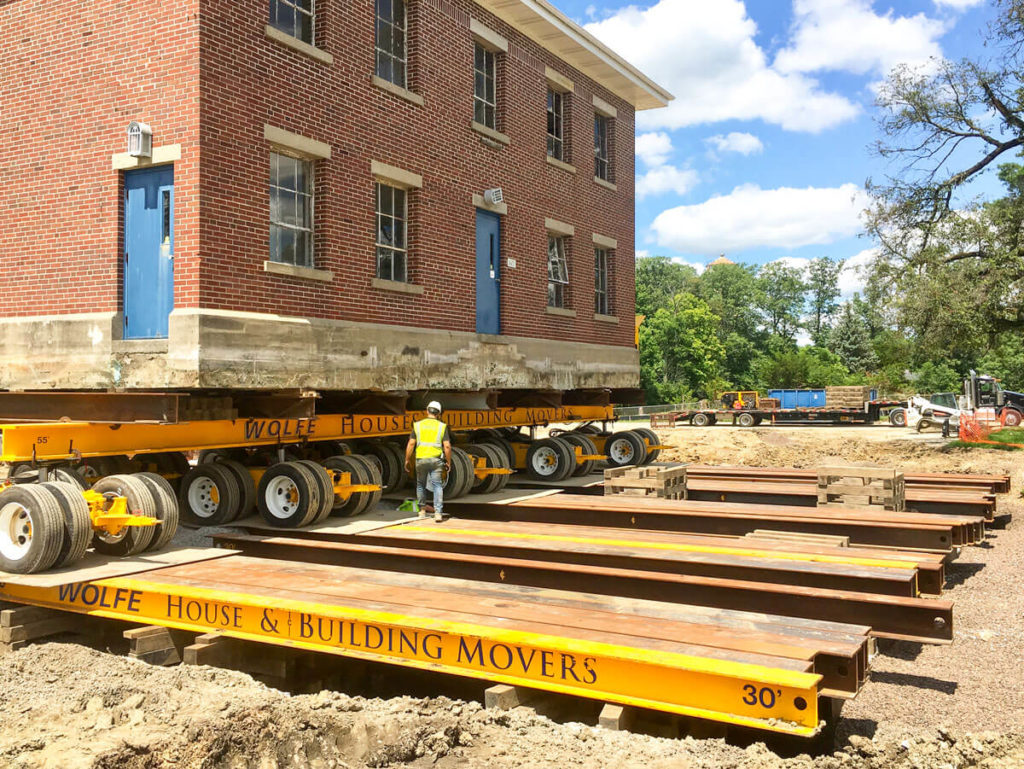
x,y
605,318
397,90
140,346
396,285
293,271
490,133
298,45
560,311
605,183
561,164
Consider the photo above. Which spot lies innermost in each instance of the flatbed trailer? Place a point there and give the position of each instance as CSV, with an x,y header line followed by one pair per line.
x,y
872,411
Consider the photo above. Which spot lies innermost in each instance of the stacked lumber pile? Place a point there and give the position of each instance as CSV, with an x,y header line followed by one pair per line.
x,y
877,487
852,397
661,482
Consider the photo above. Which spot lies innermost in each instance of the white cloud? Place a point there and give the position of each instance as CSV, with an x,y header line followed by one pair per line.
x,y
654,149
706,55
662,179
736,141
851,279
958,5
749,217
848,35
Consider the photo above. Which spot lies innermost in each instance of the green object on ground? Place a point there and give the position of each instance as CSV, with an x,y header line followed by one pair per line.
x,y
409,506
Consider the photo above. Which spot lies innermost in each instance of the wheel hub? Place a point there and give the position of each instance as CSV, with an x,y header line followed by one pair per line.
x,y
204,497
15,531
282,497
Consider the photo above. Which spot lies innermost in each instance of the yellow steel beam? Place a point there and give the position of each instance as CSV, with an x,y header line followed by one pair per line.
x,y
732,692
71,440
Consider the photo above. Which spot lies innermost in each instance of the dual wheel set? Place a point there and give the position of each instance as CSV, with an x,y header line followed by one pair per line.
x,y
554,458
52,524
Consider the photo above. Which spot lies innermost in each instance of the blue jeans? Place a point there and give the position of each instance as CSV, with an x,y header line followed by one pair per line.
x,y
429,476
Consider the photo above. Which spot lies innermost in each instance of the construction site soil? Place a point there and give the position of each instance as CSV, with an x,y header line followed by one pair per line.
x,y
68,705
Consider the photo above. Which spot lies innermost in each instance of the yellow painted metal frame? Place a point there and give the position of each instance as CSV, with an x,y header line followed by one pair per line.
x,y
53,441
732,692
110,514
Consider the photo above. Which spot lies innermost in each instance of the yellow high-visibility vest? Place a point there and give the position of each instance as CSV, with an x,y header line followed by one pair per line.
x,y
429,438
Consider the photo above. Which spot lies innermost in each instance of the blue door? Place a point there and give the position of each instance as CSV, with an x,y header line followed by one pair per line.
x,y
488,277
148,252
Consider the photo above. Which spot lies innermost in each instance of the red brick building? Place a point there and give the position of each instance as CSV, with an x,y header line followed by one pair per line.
x,y
319,205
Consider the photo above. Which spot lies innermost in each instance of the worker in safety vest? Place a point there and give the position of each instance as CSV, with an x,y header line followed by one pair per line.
x,y
430,442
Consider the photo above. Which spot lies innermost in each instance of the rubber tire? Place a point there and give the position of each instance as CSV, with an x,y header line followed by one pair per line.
x,y
507,449
171,463
650,435
140,502
744,420
493,457
325,488
1011,418
357,501
639,450
700,420
570,457
246,487
47,528
586,467
66,475
392,469
167,509
564,462
460,475
898,417
212,455
101,467
372,466
77,527
228,492
308,504
502,462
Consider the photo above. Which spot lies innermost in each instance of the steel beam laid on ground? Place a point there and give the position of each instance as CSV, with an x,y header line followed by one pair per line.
x,y
915,619
92,406
306,606
992,484
593,546
703,518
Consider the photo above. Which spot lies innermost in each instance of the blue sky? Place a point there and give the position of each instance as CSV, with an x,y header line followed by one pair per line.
x,y
765,151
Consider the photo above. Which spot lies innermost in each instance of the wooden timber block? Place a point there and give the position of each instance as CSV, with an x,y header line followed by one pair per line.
x,y
156,645
662,482
875,487
505,697
21,624
256,659
616,718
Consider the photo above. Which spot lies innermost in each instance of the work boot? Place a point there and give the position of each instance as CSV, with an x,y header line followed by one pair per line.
x,y
427,510
438,516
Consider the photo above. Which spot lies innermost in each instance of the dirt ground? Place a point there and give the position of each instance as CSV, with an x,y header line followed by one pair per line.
x,y
65,705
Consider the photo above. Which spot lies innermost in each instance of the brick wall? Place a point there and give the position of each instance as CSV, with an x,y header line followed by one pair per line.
x,y
73,74
77,72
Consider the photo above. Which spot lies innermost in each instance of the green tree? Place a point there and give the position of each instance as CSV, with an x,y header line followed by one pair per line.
x,y
1006,361
680,353
850,339
823,294
937,377
732,293
658,280
782,298
804,367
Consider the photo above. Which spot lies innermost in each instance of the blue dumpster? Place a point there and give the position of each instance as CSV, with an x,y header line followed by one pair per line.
x,y
802,399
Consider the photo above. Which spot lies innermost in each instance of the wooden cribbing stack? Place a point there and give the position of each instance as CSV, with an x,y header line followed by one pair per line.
x,y
872,487
661,482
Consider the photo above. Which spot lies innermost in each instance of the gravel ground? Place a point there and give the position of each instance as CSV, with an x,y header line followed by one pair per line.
x,y
934,706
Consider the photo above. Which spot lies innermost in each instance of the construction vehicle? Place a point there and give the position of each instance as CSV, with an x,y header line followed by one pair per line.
x,y
985,392
939,409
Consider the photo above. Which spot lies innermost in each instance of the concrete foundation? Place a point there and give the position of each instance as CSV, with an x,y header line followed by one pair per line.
x,y
254,351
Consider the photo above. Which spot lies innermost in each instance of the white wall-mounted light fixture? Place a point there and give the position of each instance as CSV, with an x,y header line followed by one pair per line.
x,y
494,196
140,140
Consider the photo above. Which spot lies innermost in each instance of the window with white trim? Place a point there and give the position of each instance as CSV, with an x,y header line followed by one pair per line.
x,y
294,17
485,93
291,210
602,282
392,235
390,41
556,104
602,155
558,272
